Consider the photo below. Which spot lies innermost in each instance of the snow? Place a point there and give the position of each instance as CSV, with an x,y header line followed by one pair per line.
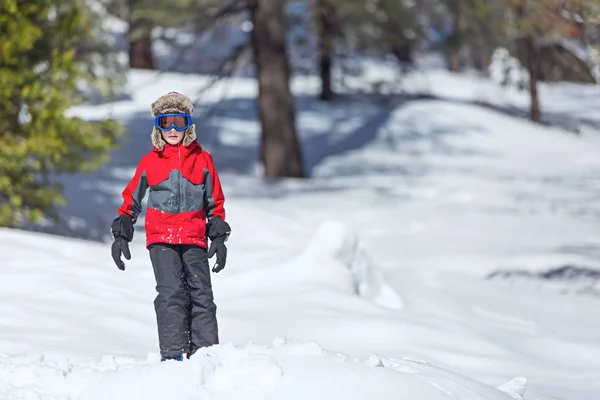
x,y
87,336
369,280
280,370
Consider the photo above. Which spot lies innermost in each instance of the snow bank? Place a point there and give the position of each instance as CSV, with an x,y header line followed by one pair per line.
x,y
284,370
335,245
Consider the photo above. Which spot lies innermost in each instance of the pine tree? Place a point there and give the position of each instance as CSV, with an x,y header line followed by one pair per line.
x,y
150,20
470,30
368,27
39,79
534,24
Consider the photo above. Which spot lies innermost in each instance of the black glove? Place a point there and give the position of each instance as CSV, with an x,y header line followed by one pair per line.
x,y
122,231
218,231
217,245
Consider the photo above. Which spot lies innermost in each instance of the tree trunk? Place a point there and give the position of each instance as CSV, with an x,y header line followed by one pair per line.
x,y
140,52
140,42
281,154
533,68
532,61
454,62
402,52
480,57
325,14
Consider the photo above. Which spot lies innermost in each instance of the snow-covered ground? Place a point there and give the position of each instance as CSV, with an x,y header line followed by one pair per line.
x,y
367,281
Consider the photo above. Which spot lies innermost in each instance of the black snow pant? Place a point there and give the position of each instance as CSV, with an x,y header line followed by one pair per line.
x,y
185,310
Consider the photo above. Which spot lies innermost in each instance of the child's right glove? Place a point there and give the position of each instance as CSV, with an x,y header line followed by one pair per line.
x,y
218,231
122,231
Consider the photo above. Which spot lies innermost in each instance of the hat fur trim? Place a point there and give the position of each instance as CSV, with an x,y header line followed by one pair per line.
x,y
172,102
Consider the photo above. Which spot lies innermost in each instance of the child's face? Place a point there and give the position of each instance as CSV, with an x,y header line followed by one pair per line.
x,y
172,137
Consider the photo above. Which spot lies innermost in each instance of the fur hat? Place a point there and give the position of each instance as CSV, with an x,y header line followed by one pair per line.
x,y
172,102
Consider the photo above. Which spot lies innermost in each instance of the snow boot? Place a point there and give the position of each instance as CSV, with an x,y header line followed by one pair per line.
x,y
176,358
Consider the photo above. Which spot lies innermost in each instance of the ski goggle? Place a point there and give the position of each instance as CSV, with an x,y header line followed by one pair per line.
x,y
179,122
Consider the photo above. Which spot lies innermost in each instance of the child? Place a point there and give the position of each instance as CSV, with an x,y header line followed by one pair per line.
x,y
185,206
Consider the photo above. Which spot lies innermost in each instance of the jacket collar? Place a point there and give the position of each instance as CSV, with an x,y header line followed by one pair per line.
x,y
180,149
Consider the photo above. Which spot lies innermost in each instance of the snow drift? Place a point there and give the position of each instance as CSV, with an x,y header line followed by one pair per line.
x,y
285,370
336,245
83,312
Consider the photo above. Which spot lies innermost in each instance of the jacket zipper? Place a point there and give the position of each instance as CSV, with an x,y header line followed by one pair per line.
x,y
180,176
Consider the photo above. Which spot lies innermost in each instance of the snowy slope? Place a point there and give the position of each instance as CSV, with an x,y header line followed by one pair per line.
x,y
384,251
75,329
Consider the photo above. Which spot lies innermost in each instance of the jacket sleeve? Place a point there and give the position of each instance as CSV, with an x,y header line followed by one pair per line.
x,y
134,193
215,199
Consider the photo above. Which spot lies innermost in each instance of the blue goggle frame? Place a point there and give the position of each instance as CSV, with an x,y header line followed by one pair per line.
x,y
173,126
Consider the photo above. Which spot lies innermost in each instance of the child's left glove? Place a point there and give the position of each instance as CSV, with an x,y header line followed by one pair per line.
x,y
218,231
122,231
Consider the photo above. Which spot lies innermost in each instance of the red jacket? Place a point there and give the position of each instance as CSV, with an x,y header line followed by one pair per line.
x,y
184,191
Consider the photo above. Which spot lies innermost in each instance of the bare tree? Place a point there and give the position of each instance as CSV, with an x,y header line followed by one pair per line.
x,y
281,154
